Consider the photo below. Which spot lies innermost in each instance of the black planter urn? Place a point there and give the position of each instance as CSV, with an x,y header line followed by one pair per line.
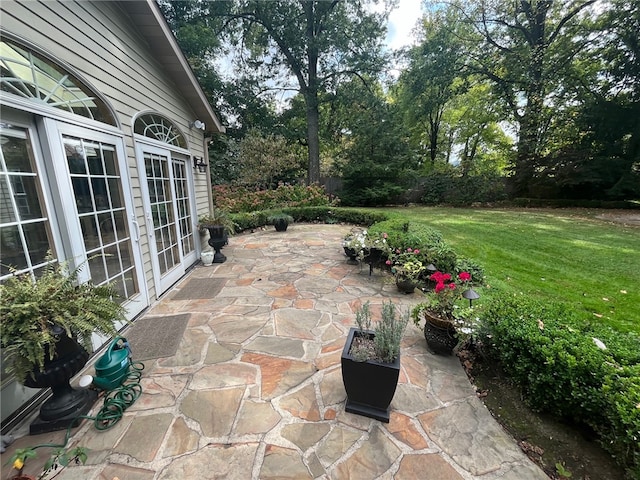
x,y
281,224
405,285
439,334
370,385
218,239
352,254
374,257
66,403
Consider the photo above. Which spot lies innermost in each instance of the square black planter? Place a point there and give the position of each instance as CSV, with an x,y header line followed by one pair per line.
x,y
370,385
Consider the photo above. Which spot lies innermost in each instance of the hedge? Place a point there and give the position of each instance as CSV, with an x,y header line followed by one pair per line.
x,y
553,357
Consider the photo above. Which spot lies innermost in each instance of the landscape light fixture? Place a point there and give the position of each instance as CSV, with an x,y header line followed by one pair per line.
x,y
470,295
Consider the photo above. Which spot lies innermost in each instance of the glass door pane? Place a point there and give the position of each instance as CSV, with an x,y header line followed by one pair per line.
x,y
97,190
185,218
161,202
25,234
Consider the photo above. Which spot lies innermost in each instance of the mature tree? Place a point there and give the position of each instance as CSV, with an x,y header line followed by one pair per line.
x,y
266,160
374,150
429,83
476,142
598,144
316,42
521,54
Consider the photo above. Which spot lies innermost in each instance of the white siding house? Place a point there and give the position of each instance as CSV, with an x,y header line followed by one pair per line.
x,y
101,124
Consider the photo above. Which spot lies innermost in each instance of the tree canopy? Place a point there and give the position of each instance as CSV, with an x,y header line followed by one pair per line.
x,y
545,93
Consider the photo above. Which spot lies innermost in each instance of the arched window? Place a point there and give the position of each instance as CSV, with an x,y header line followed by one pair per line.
x,y
28,74
159,128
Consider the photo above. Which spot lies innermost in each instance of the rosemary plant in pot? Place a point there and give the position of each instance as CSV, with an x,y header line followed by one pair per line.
x,y
371,361
47,323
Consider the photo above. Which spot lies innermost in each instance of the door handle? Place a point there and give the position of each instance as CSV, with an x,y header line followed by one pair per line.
x,y
137,225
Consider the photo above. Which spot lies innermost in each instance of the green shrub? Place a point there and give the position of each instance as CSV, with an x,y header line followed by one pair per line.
x,y
322,214
249,221
452,189
572,203
464,264
433,249
554,358
237,199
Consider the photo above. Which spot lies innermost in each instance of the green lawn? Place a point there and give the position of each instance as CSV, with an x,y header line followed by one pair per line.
x,y
561,254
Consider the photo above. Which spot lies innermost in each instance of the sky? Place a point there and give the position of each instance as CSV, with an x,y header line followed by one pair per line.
x,y
401,22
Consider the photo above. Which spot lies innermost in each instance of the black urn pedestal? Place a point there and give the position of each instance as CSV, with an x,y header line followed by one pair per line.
x,y
66,404
218,239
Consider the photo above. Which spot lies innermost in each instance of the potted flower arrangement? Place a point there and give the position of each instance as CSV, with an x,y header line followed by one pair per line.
x,y
280,221
407,268
371,361
375,250
445,319
353,243
47,324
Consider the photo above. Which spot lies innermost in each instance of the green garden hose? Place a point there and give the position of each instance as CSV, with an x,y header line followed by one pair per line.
x,y
116,401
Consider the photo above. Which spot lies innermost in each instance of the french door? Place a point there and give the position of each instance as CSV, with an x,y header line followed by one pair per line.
x,y
169,213
65,196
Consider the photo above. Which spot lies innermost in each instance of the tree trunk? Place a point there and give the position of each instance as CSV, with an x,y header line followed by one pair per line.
x,y
313,139
311,97
531,121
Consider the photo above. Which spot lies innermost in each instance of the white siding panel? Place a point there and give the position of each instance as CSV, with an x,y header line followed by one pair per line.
x,y
99,41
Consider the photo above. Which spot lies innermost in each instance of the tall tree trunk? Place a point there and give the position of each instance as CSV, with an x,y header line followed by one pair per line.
x,y
311,97
531,120
313,139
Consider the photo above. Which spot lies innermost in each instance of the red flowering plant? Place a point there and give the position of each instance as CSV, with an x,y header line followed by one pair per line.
x,y
444,300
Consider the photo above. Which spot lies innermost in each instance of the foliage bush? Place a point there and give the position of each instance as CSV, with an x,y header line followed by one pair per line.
x,y
554,358
321,214
569,203
452,189
236,199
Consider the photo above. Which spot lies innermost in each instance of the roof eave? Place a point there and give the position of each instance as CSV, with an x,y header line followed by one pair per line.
x,y
153,26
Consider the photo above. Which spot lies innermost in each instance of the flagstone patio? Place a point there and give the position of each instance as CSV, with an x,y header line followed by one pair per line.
x,y
255,389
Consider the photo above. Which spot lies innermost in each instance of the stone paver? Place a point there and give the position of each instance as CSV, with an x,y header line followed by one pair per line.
x,y
255,389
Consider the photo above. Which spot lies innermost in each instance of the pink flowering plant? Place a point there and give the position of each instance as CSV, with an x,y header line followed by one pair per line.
x,y
406,264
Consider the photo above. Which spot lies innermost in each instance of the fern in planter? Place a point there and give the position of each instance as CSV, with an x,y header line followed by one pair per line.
x,y
31,307
280,220
218,217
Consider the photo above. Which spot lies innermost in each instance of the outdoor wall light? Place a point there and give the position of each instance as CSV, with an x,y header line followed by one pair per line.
x,y
470,295
198,163
197,124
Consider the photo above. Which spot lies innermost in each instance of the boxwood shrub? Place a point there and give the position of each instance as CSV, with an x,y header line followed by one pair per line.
x,y
553,357
322,214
